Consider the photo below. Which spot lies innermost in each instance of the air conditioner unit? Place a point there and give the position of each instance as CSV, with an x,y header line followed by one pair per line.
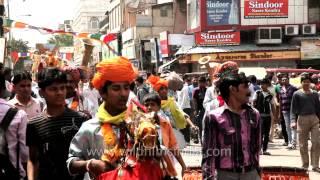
x,y
308,29
67,28
269,35
291,30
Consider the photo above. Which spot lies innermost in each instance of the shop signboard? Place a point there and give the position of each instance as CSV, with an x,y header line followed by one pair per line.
x,y
222,12
217,38
310,49
251,56
164,45
255,9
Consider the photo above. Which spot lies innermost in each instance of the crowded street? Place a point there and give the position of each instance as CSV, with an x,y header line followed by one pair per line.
x,y
159,89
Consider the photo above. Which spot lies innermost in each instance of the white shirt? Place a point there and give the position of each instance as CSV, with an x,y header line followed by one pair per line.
x,y
132,96
210,101
33,108
91,100
183,97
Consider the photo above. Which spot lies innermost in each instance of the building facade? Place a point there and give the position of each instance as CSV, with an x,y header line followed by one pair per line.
x,y
88,14
138,24
254,33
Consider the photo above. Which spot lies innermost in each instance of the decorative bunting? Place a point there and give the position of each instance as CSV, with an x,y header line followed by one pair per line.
x,y
106,38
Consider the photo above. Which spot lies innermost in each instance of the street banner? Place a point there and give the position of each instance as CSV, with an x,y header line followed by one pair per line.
x,y
255,9
217,38
222,12
164,46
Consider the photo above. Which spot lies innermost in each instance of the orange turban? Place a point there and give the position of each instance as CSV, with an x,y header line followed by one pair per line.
x,y
159,84
117,69
152,80
226,68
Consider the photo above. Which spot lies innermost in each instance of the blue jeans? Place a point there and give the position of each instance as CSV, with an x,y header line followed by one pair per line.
x,y
292,133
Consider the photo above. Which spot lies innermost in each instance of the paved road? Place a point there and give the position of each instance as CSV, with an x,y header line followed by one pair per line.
x,y
280,156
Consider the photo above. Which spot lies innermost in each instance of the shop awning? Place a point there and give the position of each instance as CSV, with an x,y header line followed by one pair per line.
x,y
291,70
161,68
259,72
240,48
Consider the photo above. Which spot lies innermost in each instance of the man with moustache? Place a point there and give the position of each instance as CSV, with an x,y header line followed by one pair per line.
x,y
233,130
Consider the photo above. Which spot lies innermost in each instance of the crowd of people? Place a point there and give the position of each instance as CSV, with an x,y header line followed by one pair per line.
x,y
69,124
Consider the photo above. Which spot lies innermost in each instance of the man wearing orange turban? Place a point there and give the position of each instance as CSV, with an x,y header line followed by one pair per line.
x,y
104,133
171,109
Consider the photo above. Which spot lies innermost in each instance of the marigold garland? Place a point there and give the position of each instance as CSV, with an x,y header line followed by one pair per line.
x,y
112,152
75,104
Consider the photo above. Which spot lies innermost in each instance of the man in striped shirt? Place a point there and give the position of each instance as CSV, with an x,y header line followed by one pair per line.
x,y
285,96
50,133
232,134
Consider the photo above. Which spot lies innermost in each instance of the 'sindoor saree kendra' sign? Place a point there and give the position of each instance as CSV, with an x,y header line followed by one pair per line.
x,y
217,38
265,9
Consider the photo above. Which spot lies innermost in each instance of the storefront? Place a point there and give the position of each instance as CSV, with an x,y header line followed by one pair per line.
x,y
310,53
245,55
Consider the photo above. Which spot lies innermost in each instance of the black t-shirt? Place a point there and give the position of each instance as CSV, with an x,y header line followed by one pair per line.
x,y
198,95
52,137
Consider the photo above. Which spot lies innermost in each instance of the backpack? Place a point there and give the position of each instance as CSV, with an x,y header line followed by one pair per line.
x,y
263,103
7,170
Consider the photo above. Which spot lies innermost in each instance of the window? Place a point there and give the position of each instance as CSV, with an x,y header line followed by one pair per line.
x,y
163,11
264,34
94,23
275,34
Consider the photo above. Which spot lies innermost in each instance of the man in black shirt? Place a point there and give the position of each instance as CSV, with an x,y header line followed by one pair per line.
x,y
198,97
50,133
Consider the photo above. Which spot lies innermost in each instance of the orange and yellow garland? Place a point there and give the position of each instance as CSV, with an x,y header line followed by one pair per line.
x,y
112,152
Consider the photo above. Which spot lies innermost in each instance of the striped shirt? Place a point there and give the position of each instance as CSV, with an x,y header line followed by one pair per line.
x,y
52,137
232,140
286,93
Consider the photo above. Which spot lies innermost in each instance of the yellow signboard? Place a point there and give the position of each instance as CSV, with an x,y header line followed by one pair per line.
x,y
249,56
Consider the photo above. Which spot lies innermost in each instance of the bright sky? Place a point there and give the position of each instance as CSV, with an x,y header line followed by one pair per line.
x,y
44,13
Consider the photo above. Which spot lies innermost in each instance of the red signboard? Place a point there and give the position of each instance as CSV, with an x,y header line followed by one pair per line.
x,y
265,9
164,46
217,38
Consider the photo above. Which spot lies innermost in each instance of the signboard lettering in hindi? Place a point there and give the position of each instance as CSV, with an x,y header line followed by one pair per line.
x,y
265,9
218,38
222,12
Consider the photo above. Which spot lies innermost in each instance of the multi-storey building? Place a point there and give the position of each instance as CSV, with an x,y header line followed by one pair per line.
x,y
254,33
88,14
139,21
